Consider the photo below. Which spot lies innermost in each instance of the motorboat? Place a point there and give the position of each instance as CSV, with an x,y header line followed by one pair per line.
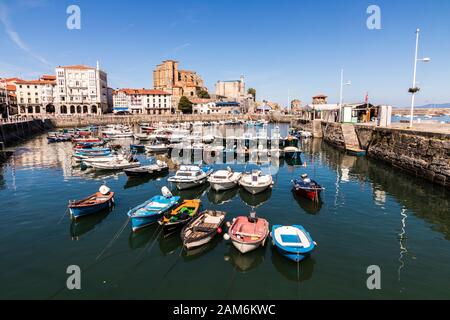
x,y
291,148
256,182
119,163
307,188
155,169
157,148
190,177
224,179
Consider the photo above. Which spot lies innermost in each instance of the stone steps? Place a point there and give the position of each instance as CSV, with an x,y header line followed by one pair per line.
x,y
350,137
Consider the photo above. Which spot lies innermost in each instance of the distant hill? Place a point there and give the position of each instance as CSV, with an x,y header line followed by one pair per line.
x,y
430,106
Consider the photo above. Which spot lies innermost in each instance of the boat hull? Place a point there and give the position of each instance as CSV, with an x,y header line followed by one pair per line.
x,y
293,253
138,223
80,212
247,247
223,186
255,189
137,174
308,194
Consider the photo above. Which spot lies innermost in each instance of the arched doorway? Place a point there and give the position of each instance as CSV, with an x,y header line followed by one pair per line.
x,y
37,109
72,109
78,109
64,109
85,109
30,109
50,108
94,109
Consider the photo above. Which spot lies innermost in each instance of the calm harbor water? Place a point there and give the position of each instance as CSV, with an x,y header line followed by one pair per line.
x,y
370,214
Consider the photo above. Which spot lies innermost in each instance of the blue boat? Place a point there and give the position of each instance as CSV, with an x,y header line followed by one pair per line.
x,y
152,210
100,201
293,242
138,148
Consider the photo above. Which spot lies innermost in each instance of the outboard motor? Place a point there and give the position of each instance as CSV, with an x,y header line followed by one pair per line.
x,y
104,190
166,192
252,217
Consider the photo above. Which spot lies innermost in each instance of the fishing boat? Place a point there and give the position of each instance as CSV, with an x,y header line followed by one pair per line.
x,y
137,148
180,216
256,182
54,137
153,209
190,177
224,179
86,140
248,233
80,154
291,148
97,202
203,229
307,188
157,148
142,136
119,163
145,171
293,242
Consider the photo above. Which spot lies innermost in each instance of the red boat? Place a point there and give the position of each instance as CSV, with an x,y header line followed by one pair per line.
x,y
248,233
85,140
308,188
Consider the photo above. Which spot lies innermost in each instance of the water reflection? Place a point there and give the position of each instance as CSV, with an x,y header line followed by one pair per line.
x,y
194,193
83,226
141,239
219,198
295,272
138,181
193,254
170,245
245,262
310,207
257,200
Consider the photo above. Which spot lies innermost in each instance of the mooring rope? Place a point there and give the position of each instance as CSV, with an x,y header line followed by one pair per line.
x,y
115,237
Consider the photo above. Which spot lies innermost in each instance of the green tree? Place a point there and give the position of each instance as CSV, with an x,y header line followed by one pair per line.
x,y
203,94
185,105
252,91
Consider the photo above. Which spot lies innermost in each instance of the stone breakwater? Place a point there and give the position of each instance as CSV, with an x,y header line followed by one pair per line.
x,y
17,132
423,154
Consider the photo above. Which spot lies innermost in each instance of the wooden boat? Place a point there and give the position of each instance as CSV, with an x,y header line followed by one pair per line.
x,y
150,211
97,202
55,137
293,242
248,233
224,179
119,163
145,171
202,229
356,152
180,216
307,188
86,140
157,148
256,182
190,177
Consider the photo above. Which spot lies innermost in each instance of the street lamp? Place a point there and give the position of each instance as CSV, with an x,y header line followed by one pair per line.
x,y
341,99
414,88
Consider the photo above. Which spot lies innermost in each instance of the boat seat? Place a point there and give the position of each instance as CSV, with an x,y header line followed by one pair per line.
x,y
292,238
213,220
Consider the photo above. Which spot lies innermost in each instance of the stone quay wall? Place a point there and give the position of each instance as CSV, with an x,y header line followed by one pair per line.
x,y
13,133
421,153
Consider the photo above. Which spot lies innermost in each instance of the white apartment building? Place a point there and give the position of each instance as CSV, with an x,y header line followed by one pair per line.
x,y
81,90
36,96
142,101
204,106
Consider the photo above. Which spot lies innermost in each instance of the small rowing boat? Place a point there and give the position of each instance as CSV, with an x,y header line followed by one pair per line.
x,y
97,202
293,242
159,168
180,216
307,188
202,229
248,233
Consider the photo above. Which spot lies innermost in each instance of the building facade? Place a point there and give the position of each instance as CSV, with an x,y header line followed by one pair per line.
x,y
81,90
142,101
231,90
167,77
204,106
36,97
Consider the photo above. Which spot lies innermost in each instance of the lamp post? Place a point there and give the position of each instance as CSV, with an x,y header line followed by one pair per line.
x,y
414,88
341,98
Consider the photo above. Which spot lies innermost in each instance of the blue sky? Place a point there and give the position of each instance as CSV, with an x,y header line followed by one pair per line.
x,y
297,45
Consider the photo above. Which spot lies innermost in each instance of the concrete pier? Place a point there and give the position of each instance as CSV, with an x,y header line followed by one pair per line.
x,y
12,133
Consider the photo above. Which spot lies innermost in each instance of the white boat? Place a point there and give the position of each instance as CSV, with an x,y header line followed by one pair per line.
x,y
142,137
157,148
116,164
256,182
224,179
190,177
248,233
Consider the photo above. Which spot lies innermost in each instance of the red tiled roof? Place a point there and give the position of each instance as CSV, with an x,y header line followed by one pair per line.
x,y
48,77
35,82
142,92
198,100
11,87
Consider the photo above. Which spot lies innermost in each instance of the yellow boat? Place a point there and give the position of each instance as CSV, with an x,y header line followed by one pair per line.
x,y
177,218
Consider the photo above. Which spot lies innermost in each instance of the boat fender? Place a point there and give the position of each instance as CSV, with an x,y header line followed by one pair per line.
x,y
219,230
104,190
226,237
166,192
228,224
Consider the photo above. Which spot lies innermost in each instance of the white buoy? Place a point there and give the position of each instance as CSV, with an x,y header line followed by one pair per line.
x,y
104,190
228,224
226,237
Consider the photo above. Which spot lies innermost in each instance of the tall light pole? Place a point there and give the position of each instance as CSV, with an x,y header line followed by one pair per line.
x,y
341,97
414,88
